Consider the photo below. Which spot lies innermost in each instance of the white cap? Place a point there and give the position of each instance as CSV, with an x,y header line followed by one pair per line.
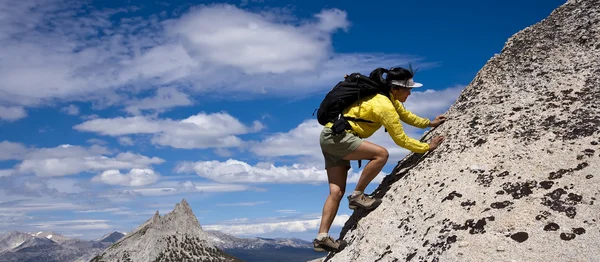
x,y
410,83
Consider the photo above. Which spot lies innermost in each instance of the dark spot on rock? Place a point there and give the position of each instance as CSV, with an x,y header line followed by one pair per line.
x,y
542,215
425,243
467,203
474,122
567,236
555,201
480,142
484,179
500,192
558,174
551,227
517,109
546,184
442,184
589,152
519,189
503,174
451,196
451,239
594,143
581,166
579,230
520,236
475,228
499,205
589,176
429,217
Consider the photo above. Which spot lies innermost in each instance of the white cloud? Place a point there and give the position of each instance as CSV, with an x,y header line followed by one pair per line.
x,y
429,103
287,211
49,54
234,171
284,226
167,188
69,160
6,172
164,98
247,204
77,224
125,141
71,110
300,141
217,130
136,177
12,151
12,113
40,205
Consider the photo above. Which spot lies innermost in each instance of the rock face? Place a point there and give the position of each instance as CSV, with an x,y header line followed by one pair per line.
x,y
517,178
177,236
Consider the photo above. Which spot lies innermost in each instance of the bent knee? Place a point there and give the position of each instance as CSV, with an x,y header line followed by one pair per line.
x,y
337,194
382,154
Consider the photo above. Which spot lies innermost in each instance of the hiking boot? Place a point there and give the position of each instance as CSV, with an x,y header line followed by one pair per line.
x,y
326,244
363,201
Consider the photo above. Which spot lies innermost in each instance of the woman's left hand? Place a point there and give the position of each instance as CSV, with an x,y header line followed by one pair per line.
x,y
437,121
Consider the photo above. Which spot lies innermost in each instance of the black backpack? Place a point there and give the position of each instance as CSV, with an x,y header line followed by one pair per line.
x,y
344,94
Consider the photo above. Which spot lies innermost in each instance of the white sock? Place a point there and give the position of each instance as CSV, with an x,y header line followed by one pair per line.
x,y
320,236
356,193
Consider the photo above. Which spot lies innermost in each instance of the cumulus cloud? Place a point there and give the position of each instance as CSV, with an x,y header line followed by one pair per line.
x,y
69,160
71,110
217,130
269,227
429,103
136,177
219,48
12,113
180,187
164,99
246,204
235,171
12,151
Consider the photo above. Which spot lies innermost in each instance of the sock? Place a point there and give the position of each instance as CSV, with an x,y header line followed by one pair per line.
x,y
356,193
320,236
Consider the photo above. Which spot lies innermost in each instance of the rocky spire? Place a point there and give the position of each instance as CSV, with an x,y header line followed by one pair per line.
x,y
516,178
176,236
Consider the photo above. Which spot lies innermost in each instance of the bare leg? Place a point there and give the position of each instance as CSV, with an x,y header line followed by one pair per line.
x,y
337,186
377,155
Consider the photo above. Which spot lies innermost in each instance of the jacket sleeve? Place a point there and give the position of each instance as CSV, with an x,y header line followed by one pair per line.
x,y
389,119
408,117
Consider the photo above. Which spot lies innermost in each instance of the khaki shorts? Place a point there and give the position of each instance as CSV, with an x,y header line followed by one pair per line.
x,y
336,147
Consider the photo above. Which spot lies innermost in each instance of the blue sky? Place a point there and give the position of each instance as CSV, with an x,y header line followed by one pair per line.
x,y
110,111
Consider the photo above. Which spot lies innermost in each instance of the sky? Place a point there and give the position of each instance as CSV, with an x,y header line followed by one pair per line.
x,y
113,110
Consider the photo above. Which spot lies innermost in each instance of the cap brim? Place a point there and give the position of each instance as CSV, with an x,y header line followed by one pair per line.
x,y
403,84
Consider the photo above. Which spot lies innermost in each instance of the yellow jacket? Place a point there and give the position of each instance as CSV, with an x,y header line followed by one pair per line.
x,y
382,111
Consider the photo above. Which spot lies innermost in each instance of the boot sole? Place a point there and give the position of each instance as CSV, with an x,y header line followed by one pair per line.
x,y
320,249
356,206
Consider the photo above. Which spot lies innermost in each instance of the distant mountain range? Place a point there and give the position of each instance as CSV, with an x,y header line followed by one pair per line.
x,y
167,235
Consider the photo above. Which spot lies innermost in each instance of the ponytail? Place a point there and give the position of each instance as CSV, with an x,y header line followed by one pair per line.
x,y
377,75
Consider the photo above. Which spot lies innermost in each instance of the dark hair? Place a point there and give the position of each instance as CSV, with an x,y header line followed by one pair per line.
x,y
394,73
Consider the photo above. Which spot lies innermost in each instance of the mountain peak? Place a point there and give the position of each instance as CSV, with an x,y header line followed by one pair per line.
x,y
176,235
516,178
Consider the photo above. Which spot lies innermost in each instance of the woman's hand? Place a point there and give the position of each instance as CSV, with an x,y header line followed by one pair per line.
x,y
437,121
435,142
